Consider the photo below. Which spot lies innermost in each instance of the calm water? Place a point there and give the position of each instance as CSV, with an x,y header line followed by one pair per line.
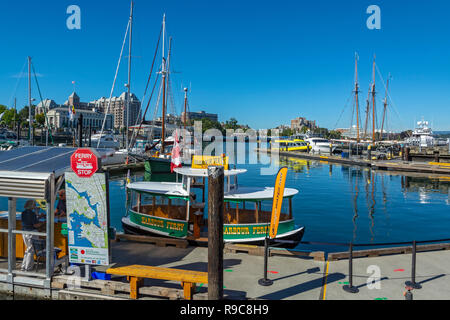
x,y
342,204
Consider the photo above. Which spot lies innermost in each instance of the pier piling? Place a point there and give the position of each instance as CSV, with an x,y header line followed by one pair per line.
x,y
216,175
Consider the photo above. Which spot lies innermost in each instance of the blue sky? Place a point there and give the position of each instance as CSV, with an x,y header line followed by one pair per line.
x,y
262,62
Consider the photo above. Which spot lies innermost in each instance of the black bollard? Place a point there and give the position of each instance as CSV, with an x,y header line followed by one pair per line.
x,y
408,294
264,281
413,283
350,288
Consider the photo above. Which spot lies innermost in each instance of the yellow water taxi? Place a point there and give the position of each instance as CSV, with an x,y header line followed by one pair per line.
x,y
292,145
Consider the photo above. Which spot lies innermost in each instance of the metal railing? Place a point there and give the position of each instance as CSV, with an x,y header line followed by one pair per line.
x,y
412,284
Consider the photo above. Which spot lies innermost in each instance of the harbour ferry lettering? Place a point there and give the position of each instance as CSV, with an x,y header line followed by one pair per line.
x,y
175,226
260,230
236,230
152,222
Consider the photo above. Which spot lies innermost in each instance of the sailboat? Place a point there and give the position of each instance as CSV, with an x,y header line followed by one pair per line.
x,y
160,160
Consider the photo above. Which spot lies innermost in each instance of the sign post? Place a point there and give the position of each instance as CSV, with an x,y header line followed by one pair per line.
x,y
278,196
87,210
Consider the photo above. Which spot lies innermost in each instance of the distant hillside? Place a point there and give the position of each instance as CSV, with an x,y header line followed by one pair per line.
x,y
442,134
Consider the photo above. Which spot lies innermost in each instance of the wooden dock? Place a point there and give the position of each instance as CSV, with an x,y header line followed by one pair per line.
x,y
118,168
396,164
431,167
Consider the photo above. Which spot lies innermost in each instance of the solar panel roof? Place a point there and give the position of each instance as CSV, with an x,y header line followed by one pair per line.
x,y
39,159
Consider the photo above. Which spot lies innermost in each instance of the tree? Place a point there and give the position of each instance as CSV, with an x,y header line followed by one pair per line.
x,y
334,135
210,124
40,119
3,108
287,132
10,117
232,124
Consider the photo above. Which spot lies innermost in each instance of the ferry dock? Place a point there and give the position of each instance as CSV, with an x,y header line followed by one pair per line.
x,y
296,275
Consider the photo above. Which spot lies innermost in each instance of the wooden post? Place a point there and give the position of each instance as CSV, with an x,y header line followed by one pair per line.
x,y
407,157
436,156
216,176
80,131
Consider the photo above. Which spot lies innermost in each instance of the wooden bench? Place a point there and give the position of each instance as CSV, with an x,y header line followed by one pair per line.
x,y
136,273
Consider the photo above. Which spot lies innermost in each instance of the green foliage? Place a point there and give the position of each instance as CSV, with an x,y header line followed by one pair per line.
x,y
10,117
3,108
334,135
232,124
209,124
40,119
287,132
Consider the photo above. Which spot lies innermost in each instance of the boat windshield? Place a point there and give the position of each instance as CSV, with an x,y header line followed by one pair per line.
x,y
159,206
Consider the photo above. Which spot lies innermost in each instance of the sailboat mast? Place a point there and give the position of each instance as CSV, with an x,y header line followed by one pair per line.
x,y
185,107
129,75
373,102
367,114
385,106
163,71
30,120
357,98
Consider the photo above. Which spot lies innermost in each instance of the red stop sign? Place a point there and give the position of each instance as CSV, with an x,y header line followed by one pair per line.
x,y
84,163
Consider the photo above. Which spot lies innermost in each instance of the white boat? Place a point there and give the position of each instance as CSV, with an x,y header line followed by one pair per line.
x,y
320,145
105,140
422,136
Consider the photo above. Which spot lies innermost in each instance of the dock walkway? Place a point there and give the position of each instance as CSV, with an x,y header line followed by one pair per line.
x,y
296,277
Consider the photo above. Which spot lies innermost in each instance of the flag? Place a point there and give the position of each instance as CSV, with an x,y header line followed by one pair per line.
x,y
128,177
72,113
176,158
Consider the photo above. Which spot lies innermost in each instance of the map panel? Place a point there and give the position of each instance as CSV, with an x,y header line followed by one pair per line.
x,y
87,219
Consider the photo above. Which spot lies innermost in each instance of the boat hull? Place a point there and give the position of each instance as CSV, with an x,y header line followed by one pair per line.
x,y
253,234
159,165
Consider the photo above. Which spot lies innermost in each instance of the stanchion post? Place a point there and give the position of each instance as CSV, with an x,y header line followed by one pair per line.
x,y
413,283
350,288
264,281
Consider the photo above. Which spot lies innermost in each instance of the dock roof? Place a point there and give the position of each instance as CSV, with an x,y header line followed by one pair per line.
x,y
24,172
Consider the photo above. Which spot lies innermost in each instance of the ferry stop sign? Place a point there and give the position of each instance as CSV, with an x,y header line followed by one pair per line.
x,y
84,163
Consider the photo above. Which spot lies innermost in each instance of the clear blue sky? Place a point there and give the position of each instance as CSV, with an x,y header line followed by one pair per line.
x,y
263,62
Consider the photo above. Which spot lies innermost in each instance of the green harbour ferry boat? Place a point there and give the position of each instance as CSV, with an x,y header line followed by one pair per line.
x,y
172,209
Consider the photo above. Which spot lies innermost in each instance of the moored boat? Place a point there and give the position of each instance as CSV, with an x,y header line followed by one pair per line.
x,y
172,210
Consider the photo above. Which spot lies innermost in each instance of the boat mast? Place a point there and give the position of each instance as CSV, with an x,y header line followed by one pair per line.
x,y
356,97
385,106
373,102
129,74
185,106
30,120
367,114
163,72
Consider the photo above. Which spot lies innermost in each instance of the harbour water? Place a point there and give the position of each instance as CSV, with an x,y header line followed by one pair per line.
x,y
341,204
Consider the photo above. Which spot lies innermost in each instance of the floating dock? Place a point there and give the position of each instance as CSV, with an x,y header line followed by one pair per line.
x,y
395,164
